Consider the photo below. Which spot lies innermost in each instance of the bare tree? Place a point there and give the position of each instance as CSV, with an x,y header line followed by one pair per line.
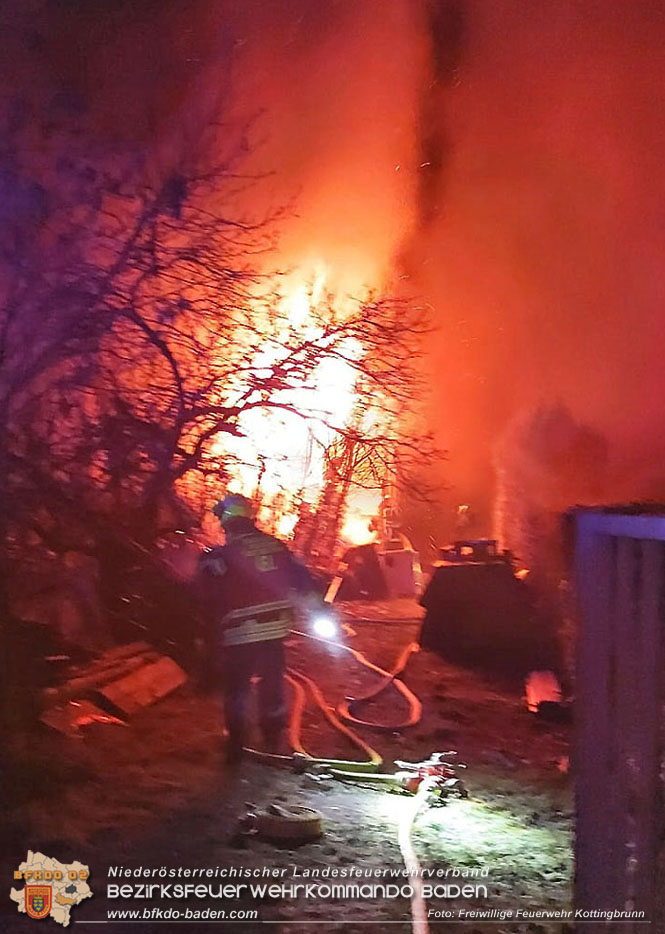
x,y
139,332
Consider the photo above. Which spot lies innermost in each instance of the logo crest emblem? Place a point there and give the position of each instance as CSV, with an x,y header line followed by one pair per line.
x,y
38,900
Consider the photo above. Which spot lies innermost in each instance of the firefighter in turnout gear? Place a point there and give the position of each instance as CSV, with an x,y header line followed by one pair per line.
x,y
248,587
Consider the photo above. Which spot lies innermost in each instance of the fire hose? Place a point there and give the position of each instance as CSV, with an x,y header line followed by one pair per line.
x,y
424,779
345,768
419,923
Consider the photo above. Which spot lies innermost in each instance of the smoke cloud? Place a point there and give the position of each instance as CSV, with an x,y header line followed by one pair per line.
x,y
503,158
544,264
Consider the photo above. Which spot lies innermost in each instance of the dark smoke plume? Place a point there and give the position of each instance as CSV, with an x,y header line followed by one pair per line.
x,y
510,154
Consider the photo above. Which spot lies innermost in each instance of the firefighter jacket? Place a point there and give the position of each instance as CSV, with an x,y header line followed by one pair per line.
x,y
247,588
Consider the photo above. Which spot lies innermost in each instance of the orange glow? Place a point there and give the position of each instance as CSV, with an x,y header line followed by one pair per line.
x,y
356,531
282,453
359,527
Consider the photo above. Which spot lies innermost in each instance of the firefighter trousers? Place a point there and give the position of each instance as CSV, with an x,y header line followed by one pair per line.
x,y
266,660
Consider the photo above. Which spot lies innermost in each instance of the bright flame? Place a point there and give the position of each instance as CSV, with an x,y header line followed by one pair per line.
x,y
282,453
360,527
356,531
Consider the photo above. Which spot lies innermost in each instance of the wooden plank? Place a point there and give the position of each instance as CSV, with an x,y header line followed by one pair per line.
x,y
144,686
122,651
595,579
71,717
88,680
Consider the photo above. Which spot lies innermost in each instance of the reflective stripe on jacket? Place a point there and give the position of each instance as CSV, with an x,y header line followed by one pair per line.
x,y
259,623
246,587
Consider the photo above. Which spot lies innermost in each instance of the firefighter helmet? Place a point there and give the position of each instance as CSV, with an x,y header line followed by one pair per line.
x,y
233,506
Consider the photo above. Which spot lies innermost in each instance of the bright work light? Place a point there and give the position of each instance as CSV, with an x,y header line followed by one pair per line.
x,y
324,626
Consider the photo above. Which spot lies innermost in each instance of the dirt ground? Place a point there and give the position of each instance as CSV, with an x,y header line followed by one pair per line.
x,y
155,793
